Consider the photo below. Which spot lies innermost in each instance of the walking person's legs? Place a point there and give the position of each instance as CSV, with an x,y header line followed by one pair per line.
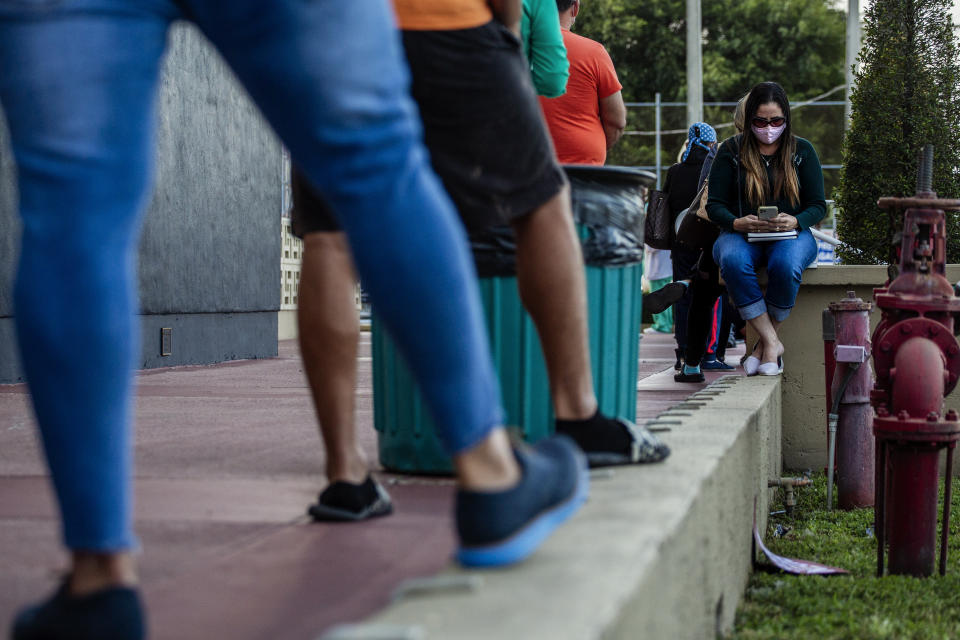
x,y
345,114
329,330
78,91
489,144
552,286
77,88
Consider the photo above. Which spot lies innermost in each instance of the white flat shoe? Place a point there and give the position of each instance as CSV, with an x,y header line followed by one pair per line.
x,y
750,365
771,368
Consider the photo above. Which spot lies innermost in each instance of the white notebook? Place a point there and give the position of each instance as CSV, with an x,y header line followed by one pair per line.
x,y
768,236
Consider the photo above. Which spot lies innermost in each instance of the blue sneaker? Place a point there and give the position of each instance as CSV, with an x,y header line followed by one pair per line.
x,y
713,364
501,528
111,614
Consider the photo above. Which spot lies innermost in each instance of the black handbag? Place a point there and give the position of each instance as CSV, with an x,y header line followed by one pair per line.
x,y
697,233
658,228
694,228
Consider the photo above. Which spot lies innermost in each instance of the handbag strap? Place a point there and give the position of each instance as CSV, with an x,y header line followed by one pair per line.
x,y
736,140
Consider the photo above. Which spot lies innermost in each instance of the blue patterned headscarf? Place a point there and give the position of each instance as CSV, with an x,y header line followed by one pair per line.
x,y
699,134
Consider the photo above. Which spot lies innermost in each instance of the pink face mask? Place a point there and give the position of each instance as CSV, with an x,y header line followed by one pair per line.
x,y
768,135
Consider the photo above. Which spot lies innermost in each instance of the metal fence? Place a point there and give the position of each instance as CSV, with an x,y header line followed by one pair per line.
x,y
657,133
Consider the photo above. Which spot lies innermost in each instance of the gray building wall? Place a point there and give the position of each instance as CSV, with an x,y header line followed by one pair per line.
x,y
210,249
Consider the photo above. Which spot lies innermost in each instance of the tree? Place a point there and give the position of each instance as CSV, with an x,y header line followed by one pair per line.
x,y
906,95
798,43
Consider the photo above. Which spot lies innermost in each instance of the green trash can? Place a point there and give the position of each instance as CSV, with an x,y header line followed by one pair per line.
x,y
609,209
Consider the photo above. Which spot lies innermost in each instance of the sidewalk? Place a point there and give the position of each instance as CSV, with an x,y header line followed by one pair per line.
x,y
228,457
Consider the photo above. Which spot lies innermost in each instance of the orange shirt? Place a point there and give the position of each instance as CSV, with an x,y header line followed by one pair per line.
x,y
574,117
441,15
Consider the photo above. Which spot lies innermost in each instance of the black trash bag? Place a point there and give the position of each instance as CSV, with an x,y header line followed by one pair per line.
x,y
608,207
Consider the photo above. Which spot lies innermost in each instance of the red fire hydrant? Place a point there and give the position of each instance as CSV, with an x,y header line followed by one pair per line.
x,y
850,416
917,362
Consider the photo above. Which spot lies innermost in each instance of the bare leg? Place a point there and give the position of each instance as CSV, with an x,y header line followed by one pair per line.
x,y
553,289
329,330
91,572
489,466
769,347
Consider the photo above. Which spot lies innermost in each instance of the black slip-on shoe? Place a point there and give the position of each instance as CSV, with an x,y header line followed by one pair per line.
x,y
348,502
663,298
613,442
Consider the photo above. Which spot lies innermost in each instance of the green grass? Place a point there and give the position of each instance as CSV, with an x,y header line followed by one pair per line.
x,y
858,606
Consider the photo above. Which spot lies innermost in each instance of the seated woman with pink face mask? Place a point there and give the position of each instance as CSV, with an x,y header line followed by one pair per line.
x,y
765,166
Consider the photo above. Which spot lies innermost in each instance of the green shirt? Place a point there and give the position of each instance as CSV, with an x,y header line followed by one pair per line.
x,y
543,44
724,206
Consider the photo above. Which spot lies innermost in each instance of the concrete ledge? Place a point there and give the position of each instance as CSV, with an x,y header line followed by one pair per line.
x,y
659,551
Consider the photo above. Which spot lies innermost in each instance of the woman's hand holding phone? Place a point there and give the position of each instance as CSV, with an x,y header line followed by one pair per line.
x,y
751,224
767,213
784,222
769,219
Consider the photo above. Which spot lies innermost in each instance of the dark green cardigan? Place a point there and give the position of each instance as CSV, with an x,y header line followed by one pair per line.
x,y
723,205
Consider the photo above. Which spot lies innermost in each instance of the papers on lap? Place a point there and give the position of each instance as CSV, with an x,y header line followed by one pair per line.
x,y
769,236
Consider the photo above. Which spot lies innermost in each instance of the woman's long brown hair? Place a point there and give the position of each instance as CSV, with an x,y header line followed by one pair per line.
x,y
785,174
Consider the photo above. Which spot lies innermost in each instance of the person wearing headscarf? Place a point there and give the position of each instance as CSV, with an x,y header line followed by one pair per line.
x,y
681,186
702,135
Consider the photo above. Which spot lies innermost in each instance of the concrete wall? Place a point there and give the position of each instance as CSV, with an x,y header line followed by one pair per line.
x,y
210,249
804,397
9,240
659,551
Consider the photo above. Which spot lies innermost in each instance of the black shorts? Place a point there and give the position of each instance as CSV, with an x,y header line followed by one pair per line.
x,y
482,126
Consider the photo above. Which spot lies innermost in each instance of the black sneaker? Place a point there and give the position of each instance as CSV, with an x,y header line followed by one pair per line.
x,y
501,528
611,442
348,502
109,614
663,298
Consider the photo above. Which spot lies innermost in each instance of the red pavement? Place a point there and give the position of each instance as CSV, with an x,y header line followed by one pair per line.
x,y
227,459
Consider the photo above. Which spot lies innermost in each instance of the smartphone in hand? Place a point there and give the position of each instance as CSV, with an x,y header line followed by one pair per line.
x,y
767,213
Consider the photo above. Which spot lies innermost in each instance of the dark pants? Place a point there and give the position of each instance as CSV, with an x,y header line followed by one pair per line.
x,y
694,312
684,264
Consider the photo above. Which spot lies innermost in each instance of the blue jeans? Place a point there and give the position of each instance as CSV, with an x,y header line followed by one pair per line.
x,y
78,82
785,261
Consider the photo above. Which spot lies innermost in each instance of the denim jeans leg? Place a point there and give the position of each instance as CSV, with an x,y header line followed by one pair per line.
x,y
331,79
77,87
738,261
786,261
